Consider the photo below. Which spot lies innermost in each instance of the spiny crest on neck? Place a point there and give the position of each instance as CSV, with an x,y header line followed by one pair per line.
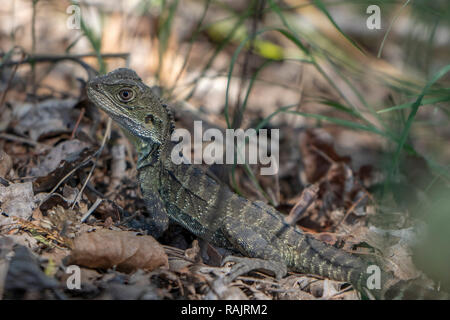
x,y
171,117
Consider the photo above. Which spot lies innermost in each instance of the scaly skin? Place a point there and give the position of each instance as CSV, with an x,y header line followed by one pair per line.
x,y
209,209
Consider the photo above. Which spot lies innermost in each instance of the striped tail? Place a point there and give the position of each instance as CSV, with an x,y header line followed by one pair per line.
x,y
316,257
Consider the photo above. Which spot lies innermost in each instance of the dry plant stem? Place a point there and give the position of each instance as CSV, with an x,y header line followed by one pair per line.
x,y
342,292
78,123
105,138
323,155
309,283
173,250
12,137
58,57
75,58
91,209
351,209
88,159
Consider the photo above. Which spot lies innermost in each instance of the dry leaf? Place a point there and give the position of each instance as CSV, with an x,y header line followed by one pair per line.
x,y
69,151
16,200
46,118
124,249
318,153
48,180
25,275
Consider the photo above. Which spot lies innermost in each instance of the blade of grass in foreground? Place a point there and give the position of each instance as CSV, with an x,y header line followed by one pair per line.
x,y
319,4
345,123
424,102
164,33
412,114
94,40
218,49
285,33
249,89
390,27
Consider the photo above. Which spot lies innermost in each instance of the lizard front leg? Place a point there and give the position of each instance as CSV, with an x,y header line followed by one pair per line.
x,y
263,255
159,219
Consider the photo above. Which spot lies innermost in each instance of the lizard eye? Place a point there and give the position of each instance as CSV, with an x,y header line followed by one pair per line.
x,y
126,94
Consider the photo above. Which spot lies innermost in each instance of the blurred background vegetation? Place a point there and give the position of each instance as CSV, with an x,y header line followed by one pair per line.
x,y
384,94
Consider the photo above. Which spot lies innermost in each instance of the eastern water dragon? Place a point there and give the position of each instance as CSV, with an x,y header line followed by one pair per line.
x,y
196,200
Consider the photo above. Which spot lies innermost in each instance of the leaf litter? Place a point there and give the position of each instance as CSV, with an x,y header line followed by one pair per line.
x,y
119,261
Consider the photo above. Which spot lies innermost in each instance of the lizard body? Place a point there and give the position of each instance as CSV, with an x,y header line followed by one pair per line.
x,y
193,198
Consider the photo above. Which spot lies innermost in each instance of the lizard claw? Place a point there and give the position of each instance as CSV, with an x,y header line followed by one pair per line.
x,y
243,265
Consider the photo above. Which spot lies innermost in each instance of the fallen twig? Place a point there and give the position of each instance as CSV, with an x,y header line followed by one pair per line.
x,y
31,59
77,123
12,137
89,158
99,152
91,209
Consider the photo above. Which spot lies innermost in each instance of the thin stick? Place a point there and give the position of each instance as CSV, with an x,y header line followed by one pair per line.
x,y
78,123
352,208
342,292
58,57
89,158
91,209
75,58
390,27
12,137
105,137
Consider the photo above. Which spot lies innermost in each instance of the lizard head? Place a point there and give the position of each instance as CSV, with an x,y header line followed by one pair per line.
x,y
132,104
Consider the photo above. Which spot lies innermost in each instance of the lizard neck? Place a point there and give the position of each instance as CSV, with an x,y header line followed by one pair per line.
x,y
149,152
154,147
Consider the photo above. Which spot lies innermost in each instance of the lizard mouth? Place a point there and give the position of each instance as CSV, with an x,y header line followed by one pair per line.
x,y
101,100
104,102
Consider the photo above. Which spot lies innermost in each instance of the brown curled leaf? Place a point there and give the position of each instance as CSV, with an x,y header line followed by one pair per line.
x,y
123,249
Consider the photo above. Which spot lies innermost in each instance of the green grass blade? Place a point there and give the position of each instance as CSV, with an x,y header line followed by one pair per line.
x,y
164,33
390,27
424,102
243,43
217,50
319,4
339,107
412,114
